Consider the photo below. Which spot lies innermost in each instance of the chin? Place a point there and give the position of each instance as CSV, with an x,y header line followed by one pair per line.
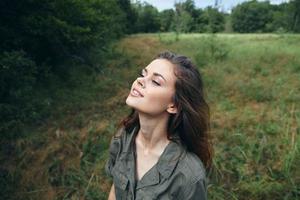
x,y
129,102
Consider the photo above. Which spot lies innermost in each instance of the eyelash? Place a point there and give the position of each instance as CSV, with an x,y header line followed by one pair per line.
x,y
156,83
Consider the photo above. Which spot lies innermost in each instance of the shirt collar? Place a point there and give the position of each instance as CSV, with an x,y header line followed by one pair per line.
x,y
170,156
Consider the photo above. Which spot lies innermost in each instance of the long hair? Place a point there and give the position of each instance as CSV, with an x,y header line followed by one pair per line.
x,y
191,123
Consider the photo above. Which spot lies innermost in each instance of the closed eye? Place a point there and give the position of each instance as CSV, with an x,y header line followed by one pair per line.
x,y
156,83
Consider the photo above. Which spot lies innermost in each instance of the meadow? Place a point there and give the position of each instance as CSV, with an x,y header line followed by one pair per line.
x,y
252,83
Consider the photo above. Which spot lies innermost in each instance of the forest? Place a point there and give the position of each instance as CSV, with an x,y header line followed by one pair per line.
x,y
64,66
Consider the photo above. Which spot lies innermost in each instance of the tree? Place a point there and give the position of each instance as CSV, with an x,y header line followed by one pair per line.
x,y
251,16
131,16
166,18
38,38
214,20
280,18
190,19
148,18
295,11
53,31
183,20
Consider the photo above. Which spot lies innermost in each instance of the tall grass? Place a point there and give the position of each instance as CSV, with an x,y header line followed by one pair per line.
x,y
252,84
255,114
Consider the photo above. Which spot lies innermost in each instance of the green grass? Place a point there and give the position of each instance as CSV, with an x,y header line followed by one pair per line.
x,y
252,83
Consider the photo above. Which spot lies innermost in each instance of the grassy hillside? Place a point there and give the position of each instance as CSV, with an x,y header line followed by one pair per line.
x,y
253,87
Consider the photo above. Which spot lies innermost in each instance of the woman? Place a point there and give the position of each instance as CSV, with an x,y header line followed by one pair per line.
x,y
162,149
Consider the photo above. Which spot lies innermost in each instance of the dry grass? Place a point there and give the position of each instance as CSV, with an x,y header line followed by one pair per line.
x,y
253,92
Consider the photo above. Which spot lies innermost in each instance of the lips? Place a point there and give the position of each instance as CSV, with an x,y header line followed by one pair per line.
x,y
136,92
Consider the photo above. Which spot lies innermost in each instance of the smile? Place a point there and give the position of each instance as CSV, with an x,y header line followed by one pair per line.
x,y
136,93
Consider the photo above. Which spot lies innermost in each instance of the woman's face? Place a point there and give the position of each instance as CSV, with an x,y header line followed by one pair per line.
x,y
152,92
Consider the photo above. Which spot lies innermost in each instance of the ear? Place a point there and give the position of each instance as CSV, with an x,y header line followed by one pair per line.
x,y
172,109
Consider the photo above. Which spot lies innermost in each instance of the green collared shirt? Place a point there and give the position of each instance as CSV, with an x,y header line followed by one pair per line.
x,y
178,174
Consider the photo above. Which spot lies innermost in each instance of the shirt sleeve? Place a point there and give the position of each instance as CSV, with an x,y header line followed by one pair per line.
x,y
114,149
195,191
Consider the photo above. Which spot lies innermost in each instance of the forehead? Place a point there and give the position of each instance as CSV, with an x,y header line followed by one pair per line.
x,y
163,67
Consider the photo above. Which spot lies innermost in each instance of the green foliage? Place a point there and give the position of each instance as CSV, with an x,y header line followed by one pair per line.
x,y
42,42
8,183
251,17
166,19
93,148
80,181
17,79
215,21
295,15
256,91
147,18
280,18
211,50
255,135
16,64
186,18
52,32
255,114
254,16
131,16
247,17
189,19
183,20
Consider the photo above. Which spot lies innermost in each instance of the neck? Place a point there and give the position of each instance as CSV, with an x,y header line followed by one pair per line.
x,y
153,131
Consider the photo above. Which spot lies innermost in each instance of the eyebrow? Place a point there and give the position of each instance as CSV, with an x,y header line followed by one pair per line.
x,y
156,74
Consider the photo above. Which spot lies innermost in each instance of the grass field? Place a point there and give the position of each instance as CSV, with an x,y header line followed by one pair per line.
x,y
252,83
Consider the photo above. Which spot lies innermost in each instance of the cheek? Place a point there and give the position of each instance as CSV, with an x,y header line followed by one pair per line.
x,y
162,97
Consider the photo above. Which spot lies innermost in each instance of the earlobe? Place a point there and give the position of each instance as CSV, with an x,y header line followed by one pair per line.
x,y
172,109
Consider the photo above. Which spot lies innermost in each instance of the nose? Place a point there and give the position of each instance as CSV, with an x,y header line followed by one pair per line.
x,y
141,82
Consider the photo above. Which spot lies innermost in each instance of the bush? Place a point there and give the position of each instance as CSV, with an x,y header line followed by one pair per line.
x,y
42,41
211,50
54,31
17,77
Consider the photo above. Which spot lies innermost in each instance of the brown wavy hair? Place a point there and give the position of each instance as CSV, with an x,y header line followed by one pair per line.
x,y
191,123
